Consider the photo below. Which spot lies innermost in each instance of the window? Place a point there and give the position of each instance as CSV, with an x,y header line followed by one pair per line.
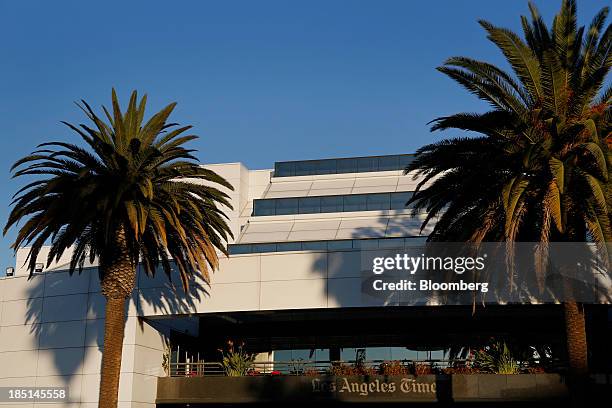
x,y
331,245
314,245
240,249
340,244
339,166
331,204
327,167
306,168
357,202
284,169
405,160
309,205
288,246
388,163
286,206
347,165
377,202
366,164
263,248
328,204
399,200
264,207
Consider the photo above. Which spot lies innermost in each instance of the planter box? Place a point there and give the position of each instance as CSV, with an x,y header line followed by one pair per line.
x,y
425,388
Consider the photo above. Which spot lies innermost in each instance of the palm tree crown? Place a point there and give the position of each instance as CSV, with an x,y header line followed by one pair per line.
x,y
540,169
132,188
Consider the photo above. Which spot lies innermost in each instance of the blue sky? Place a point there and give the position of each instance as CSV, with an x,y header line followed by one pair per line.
x,y
260,80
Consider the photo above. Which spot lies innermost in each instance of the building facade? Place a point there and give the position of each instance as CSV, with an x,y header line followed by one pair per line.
x,y
290,292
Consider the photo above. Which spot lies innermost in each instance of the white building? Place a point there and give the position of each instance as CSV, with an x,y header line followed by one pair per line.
x,y
291,289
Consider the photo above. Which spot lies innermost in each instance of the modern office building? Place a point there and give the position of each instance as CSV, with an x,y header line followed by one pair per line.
x,y
290,291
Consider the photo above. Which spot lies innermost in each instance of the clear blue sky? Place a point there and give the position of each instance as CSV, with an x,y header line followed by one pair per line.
x,y
260,80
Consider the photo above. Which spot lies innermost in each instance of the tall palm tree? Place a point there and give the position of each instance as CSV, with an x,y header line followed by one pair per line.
x,y
540,169
131,193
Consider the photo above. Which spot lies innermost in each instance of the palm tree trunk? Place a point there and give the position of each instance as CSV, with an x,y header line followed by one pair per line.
x,y
118,274
114,328
576,337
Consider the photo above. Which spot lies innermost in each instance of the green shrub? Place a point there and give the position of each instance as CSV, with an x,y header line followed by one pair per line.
x,y
236,361
496,358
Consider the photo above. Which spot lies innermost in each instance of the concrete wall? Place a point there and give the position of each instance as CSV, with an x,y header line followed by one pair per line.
x,y
51,334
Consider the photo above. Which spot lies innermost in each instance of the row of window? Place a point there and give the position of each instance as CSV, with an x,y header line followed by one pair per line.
x,y
353,354
338,166
331,245
329,204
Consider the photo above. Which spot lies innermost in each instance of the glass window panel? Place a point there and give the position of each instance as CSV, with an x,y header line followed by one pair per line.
x,y
327,167
388,163
348,354
264,248
346,165
415,241
378,202
286,206
309,205
391,243
402,353
378,353
355,202
314,245
300,354
288,246
284,169
405,160
399,353
306,168
367,164
365,243
239,249
331,204
340,244
321,354
399,200
282,355
264,207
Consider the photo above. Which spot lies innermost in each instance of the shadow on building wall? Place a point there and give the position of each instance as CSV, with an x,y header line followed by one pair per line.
x,y
69,330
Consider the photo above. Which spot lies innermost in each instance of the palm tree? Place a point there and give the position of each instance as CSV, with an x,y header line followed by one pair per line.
x,y
540,169
130,193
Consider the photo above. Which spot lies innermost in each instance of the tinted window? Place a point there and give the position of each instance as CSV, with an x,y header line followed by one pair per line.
x,y
264,207
378,202
367,164
309,205
305,168
284,169
405,160
288,246
391,243
347,165
264,247
340,244
365,243
286,206
331,204
399,200
327,167
239,249
328,204
388,163
356,202
314,245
